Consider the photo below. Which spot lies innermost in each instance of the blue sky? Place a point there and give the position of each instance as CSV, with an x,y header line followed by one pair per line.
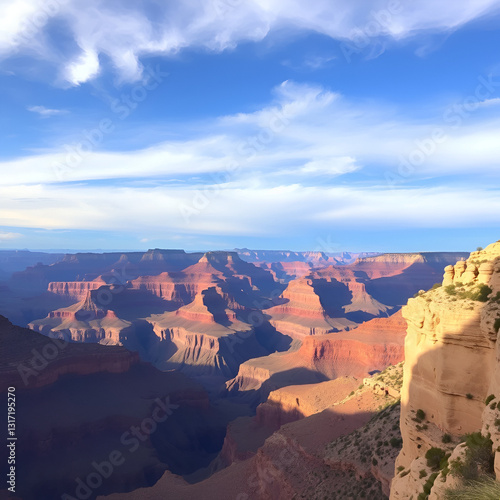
x,y
330,125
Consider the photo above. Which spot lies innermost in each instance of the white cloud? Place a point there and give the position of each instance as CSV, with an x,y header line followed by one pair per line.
x,y
274,171
9,236
306,132
46,112
278,211
126,31
84,68
489,102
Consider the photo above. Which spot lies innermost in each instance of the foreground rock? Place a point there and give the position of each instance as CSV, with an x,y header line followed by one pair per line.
x,y
451,367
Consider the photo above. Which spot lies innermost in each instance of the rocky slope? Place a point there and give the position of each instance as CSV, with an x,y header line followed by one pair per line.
x,y
88,399
372,346
451,366
29,359
301,459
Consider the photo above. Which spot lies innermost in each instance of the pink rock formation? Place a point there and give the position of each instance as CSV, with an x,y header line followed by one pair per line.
x,y
76,290
371,347
84,321
301,312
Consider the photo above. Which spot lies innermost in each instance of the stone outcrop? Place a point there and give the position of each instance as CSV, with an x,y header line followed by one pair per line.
x,y
451,363
75,290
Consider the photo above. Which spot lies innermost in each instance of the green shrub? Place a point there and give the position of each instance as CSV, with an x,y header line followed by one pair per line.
x,y
436,285
469,395
478,458
485,489
450,289
480,293
434,457
374,461
497,325
395,442
420,414
422,473
446,438
400,468
489,399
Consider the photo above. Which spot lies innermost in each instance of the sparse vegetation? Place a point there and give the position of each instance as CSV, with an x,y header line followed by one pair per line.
x,y
489,399
478,460
469,396
434,457
496,326
420,414
446,438
479,293
428,486
485,489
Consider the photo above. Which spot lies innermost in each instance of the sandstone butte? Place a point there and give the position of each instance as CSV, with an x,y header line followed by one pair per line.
x,y
84,321
451,366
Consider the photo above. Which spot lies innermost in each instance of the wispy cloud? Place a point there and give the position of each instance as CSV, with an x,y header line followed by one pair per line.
x,y
9,236
288,165
126,31
306,131
489,102
46,112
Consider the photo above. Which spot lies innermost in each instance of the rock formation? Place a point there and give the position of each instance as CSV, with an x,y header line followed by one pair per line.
x,y
371,347
84,321
301,312
451,366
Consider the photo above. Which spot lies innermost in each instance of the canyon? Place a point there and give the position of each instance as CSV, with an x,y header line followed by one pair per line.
x,y
268,353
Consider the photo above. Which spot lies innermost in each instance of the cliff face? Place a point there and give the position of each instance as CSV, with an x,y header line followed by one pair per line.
x,y
451,362
372,346
76,290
